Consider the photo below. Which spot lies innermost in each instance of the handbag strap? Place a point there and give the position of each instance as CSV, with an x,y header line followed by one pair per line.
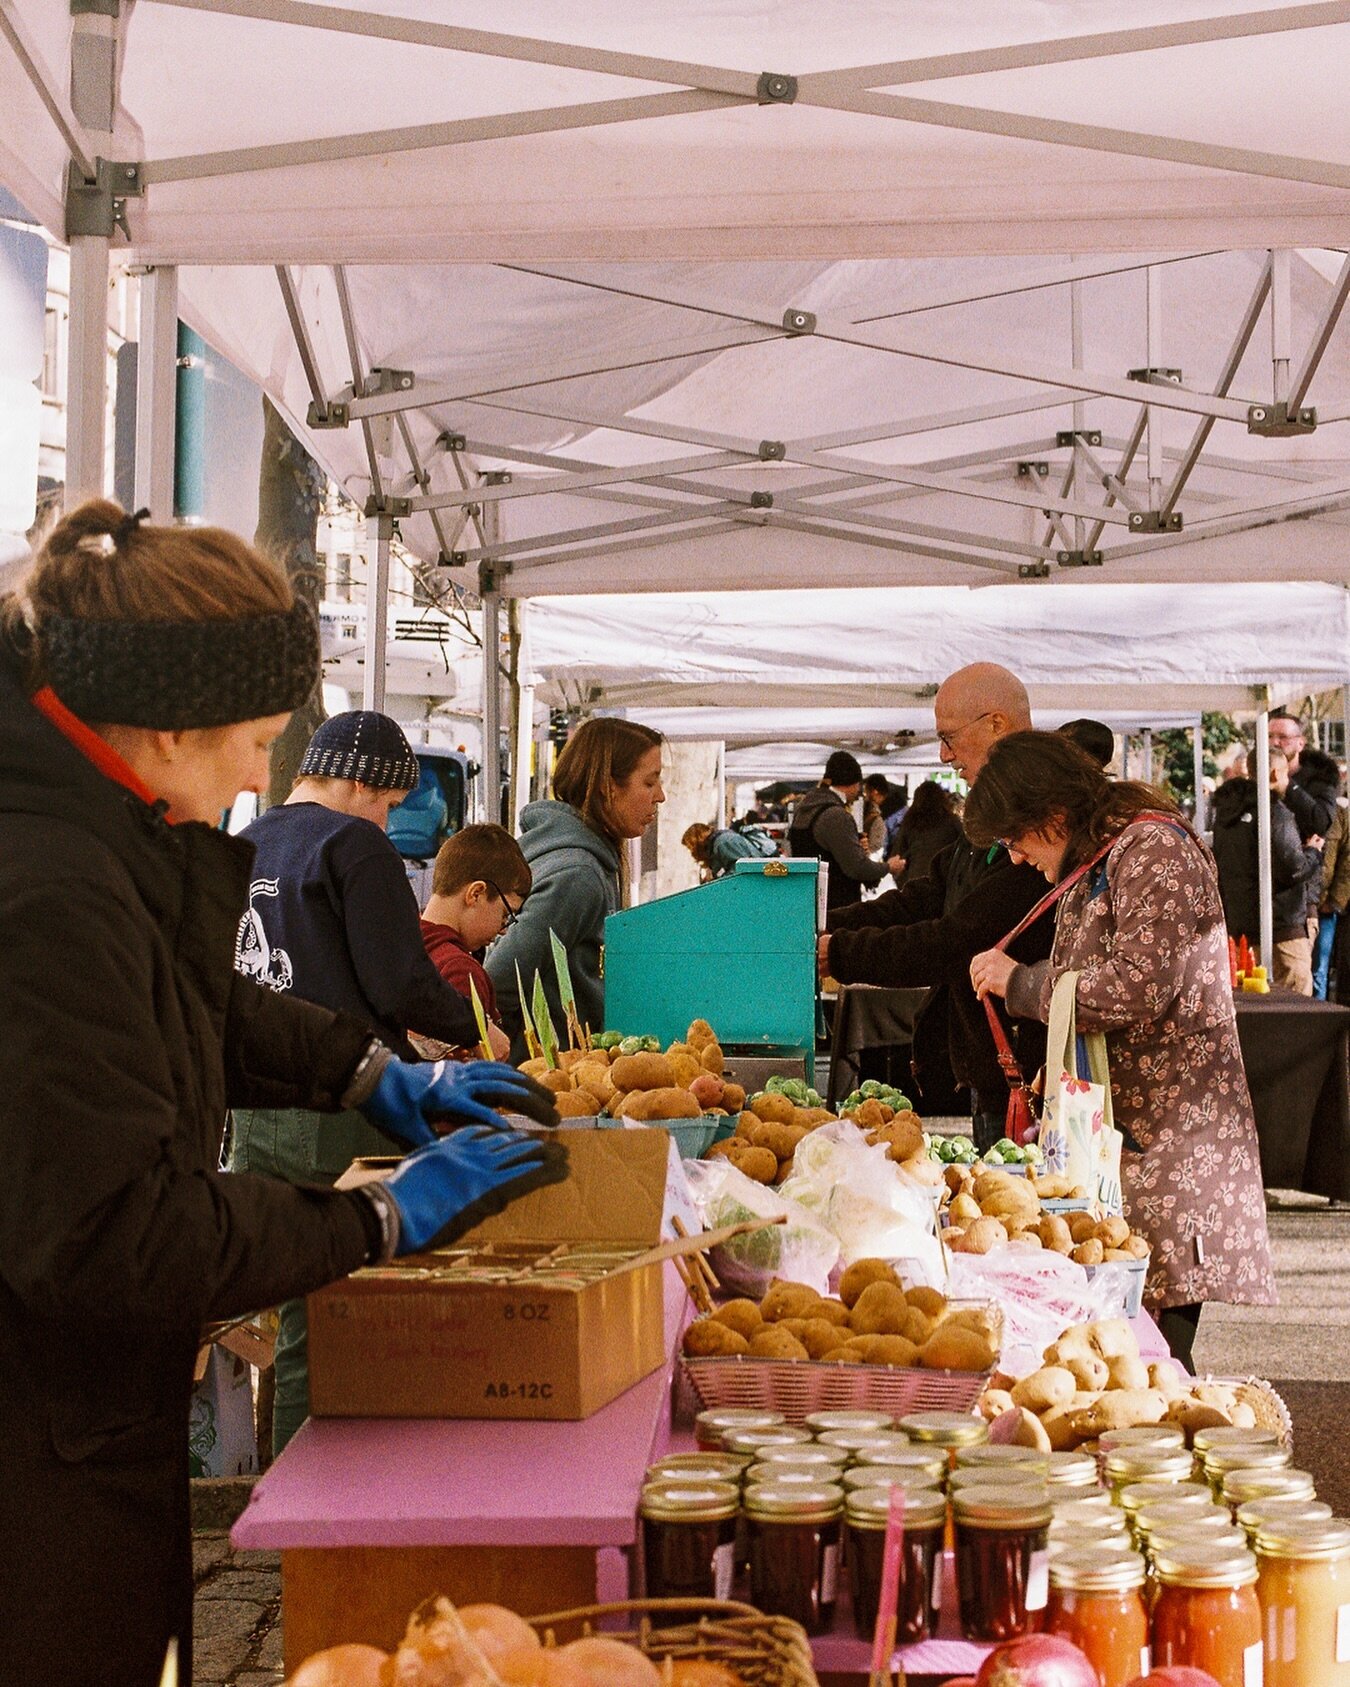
x,y
1007,1060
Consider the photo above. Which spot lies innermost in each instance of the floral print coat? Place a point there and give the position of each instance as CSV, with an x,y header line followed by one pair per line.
x,y
1145,930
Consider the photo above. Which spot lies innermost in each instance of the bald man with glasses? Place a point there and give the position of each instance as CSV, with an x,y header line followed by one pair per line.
x,y
927,932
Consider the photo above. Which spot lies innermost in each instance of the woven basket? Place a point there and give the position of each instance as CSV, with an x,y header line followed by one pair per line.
x,y
763,1651
796,1389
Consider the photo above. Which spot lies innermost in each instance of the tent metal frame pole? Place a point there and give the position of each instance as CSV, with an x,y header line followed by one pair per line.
x,y
1265,883
1313,493
932,423
1153,329
358,377
1219,527
1079,407
1321,337
825,530
87,377
422,480
374,674
602,530
491,602
1198,771
157,392
303,345
1281,305
534,488
1129,450
68,126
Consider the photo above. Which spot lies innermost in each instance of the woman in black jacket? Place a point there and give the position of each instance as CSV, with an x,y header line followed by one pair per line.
x,y
1295,868
928,826
144,673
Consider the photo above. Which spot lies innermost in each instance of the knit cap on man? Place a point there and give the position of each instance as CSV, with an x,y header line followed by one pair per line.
x,y
365,746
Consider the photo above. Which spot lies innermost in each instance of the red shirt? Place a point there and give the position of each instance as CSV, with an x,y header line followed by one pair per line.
x,y
458,966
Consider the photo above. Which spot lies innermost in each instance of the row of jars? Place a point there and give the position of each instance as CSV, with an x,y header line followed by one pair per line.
x,y
1181,1554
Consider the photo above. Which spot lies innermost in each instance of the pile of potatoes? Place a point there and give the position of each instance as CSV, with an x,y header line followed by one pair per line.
x,y
683,1083
1093,1379
995,1206
875,1321
772,1125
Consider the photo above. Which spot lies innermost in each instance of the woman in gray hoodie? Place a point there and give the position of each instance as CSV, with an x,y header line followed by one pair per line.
x,y
606,789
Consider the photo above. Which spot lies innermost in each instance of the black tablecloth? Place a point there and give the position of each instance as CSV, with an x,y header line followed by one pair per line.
x,y
1297,1055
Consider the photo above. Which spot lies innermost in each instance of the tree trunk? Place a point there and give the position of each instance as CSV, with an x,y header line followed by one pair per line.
x,y
290,496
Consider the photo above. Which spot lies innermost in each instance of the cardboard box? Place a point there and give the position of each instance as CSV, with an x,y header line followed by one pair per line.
x,y
574,1317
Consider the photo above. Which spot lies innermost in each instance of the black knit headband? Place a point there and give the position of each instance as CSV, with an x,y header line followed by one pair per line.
x,y
173,676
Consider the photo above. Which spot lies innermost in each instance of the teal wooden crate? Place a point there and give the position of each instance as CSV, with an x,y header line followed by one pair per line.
x,y
739,952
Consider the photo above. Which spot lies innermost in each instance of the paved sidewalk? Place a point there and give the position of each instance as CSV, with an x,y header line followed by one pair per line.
x,y
237,1626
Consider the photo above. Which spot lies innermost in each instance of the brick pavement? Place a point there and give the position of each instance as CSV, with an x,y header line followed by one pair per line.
x,y
237,1617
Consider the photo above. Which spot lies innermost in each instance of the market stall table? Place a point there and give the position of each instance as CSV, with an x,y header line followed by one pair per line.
x,y
1297,1055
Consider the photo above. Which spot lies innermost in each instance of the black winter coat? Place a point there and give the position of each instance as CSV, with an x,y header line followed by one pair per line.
x,y
126,1035
1311,798
927,933
1296,872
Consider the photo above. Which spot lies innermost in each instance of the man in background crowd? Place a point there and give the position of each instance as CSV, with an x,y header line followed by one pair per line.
x,y
823,826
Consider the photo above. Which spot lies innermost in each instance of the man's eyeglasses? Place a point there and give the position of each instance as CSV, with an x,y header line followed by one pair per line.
x,y
512,914
946,738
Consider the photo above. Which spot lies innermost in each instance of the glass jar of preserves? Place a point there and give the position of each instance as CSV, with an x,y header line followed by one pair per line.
x,y
750,1441
1003,1458
820,1423
697,1467
810,1475
1128,1465
688,1539
920,1595
1071,1475
1254,1514
906,1476
948,1430
904,1453
1207,1614
1002,1573
709,1427
1097,1602
826,1461
1304,1588
1142,1435
793,1537
1239,1486
1242,1456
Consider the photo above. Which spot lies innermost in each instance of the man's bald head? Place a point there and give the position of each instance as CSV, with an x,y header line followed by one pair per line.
x,y
974,708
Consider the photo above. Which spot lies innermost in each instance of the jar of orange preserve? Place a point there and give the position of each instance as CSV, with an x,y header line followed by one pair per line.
x,y
1304,1588
1207,1615
1097,1602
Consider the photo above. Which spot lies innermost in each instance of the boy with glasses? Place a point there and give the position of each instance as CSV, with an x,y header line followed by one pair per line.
x,y
478,886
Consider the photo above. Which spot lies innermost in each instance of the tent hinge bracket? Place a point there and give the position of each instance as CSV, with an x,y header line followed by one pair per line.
x,y
773,88
99,207
455,559
1071,436
772,450
761,500
1155,376
799,322
491,574
393,508
1079,559
1026,470
387,380
1277,421
452,442
497,477
336,415
1033,571
1155,521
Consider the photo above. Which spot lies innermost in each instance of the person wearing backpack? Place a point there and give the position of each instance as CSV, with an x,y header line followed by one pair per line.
x,y
822,826
718,851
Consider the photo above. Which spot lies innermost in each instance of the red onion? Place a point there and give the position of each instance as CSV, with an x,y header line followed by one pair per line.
x,y
1037,1660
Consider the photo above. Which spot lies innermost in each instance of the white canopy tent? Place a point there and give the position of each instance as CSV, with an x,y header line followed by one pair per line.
x,y
843,357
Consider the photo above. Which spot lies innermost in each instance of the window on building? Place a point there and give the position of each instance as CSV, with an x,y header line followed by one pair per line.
x,y
340,576
51,354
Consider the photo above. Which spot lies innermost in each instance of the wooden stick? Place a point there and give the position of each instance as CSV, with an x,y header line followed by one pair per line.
x,y
699,1261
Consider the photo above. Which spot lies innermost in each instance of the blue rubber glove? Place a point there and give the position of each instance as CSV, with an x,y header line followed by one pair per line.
x,y
409,1096
461,1179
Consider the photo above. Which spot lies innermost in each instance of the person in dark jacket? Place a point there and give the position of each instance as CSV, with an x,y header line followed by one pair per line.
x,y
822,826
929,826
1296,869
144,673
1314,779
928,932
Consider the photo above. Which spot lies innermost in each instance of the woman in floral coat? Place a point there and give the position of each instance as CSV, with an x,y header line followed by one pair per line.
x,y
1144,929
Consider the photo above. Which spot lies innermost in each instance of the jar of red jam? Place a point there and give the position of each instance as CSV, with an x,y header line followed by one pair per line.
x,y
948,1430
1002,1573
689,1539
920,1597
1097,1603
1268,1512
793,1534
1304,1589
709,1427
821,1423
1207,1614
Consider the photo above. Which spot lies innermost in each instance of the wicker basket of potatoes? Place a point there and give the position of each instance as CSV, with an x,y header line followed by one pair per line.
x,y
791,1349
994,1207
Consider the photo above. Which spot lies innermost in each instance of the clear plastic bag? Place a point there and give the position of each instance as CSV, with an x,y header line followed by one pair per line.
x,y
1041,1294
801,1250
861,1196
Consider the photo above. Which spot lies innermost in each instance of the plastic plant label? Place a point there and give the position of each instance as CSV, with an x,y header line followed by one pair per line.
x,y
1254,1665
724,1570
1038,1582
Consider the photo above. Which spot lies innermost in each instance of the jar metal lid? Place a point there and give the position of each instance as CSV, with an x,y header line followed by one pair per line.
x,y
772,1435
1097,1569
1072,1470
1230,1435
1149,1464
945,1429
856,1441
903,1451
968,1458
1239,1486
1304,1538
1142,1435
687,1501
698,1467
805,1452
820,1422
910,1477
869,1508
1163,1517
1178,1538
1017,1506
712,1423
1246,1455
803,1475
1191,1563
1092,1511
995,1476
1188,1493
793,1502
1281,1508
1080,1539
